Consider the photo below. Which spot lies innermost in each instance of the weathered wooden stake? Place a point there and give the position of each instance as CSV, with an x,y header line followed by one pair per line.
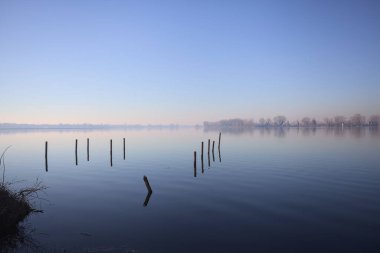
x,y
147,184
46,156
220,134
213,156
111,152
202,151
195,164
76,151
209,146
88,149
124,147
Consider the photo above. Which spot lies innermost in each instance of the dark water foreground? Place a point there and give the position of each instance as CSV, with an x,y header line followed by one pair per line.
x,y
306,190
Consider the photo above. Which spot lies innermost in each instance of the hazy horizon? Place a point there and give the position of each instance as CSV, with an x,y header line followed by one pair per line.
x,y
343,118
124,62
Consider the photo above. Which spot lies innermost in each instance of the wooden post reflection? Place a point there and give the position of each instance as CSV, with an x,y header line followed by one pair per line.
x,y
202,159
220,158
46,156
147,198
88,149
209,164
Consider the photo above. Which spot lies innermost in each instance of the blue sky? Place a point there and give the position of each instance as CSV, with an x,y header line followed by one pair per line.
x,y
187,61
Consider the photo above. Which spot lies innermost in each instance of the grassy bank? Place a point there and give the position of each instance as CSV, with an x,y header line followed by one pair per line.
x,y
14,207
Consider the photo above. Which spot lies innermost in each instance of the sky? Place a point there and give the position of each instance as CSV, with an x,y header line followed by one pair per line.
x,y
185,62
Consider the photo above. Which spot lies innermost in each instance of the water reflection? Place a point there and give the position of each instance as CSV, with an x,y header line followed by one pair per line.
x,y
281,132
374,131
19,239
275,182
147,198
203,165
220,157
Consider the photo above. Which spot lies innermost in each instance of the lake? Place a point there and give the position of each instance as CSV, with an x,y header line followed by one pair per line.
x,y
269,190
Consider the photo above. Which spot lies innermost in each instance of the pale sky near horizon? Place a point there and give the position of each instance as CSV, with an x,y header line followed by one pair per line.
x,y
187,61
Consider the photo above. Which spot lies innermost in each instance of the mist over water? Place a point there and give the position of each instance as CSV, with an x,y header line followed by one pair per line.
x,y
269,190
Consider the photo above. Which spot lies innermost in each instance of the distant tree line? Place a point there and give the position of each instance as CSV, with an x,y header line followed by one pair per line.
x,y
356,120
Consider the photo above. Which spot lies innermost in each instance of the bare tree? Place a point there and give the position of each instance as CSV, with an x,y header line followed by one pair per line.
x,y
262,122
306,121
339,120
374,120
329,122
313,122
279,120
357,120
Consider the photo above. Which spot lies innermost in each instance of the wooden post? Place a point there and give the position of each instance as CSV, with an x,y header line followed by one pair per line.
x,y
46,156
195,164
202,151
88,149
124,147
220,134
213,156
111,152
147,184
76,151
209,146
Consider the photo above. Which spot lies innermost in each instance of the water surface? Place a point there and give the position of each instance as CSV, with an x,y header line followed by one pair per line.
x,y
289,190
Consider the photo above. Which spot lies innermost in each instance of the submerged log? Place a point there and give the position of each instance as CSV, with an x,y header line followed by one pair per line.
x,y
147,184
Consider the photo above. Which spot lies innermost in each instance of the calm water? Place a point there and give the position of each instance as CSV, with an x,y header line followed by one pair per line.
x,y
271,191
